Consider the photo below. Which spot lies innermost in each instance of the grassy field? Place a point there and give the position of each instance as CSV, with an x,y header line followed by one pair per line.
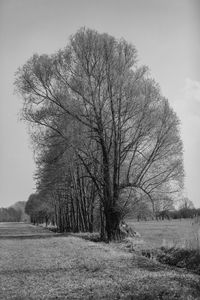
x,y
178,233
72,268
20,230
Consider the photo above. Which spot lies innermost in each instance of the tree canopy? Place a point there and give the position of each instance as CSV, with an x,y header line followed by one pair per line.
x,y
101,129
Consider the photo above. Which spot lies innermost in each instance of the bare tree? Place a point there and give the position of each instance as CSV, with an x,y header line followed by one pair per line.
x,y
186,203
128,129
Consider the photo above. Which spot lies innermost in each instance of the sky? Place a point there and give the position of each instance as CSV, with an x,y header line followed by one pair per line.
x,y
166,35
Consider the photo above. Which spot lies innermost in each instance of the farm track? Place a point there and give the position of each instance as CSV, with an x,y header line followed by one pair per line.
x,y
23,231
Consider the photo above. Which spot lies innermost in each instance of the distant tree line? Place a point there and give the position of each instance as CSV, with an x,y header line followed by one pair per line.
x,y
10,215
185,213
102,133
143,211
182,213
41,212
15,213
186,210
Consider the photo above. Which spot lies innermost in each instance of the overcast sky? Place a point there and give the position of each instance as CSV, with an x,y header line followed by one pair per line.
x,y
166,35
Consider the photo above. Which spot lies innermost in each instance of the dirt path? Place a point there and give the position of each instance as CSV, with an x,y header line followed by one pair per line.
x,y
23,230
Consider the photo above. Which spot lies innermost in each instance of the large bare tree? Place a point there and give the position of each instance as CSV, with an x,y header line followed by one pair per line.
x,y
124,125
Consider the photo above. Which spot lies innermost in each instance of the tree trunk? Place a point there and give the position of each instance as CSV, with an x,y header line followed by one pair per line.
x,y
112,220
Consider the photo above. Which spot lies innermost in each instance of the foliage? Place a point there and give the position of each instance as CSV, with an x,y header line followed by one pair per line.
x,y
184,213
38,210
10,215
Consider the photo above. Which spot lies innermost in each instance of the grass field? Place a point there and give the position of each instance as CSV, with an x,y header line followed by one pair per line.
x,y
72,268
178,233
20,230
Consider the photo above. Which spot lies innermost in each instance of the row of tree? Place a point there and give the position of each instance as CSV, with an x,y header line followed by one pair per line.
x,y
185,213
15,213
144,213
10,215
103,135
163,209
41,212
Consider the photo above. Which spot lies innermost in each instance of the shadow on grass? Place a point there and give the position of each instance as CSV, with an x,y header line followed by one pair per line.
x,y
31,236
149,265
175,257
165,288
93,237
33,271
